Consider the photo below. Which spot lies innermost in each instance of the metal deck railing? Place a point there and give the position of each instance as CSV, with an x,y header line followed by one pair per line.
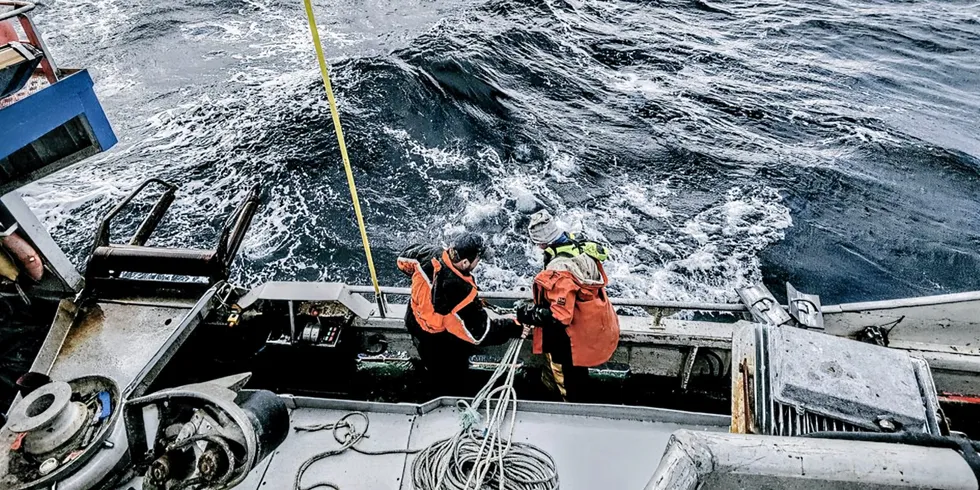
x,y
20,12
525,293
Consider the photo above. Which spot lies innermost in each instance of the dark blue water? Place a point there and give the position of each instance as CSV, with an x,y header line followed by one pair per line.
x,y
831,143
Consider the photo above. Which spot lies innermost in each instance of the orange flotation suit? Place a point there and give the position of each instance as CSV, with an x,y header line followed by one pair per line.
x,y
589,318
422,307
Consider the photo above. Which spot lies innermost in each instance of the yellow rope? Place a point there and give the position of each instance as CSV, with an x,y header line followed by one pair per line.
x,y
343,148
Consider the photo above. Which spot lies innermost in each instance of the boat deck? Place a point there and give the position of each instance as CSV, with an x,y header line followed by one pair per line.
x,y
628,441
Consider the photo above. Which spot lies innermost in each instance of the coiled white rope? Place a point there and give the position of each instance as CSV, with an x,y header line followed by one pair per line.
x,y
481,455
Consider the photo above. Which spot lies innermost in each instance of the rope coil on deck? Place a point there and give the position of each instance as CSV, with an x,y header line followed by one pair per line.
x,y
478,456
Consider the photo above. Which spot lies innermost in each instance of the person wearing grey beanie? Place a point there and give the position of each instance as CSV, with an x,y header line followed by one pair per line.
x,y
577,327
543,229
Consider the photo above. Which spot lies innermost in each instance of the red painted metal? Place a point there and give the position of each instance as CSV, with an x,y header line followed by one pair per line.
x,y
958,398
46,66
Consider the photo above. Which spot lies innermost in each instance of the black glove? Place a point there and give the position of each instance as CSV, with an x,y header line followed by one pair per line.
x,y
525,312
502,329
531,314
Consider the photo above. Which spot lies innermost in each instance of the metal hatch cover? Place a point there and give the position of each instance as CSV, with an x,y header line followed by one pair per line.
x,y
857,384
128,341
333,292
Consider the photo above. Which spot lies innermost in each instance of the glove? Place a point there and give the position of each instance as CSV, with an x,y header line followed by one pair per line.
x,y
525,312
538,316
521,303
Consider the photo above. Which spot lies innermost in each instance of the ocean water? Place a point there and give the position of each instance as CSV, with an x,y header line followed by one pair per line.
x,y
834,144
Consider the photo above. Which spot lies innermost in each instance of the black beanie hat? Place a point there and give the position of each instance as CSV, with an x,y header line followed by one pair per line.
x,y
468,246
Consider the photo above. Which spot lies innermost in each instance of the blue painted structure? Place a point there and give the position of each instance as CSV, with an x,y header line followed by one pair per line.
x,y
36,115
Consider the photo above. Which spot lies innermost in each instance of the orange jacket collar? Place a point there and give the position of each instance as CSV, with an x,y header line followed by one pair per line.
x,y
449,263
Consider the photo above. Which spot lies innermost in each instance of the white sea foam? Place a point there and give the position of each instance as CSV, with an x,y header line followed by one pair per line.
x,y
659,251
704,257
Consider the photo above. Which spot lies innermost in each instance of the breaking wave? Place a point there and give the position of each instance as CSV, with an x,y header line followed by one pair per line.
x,y
712,145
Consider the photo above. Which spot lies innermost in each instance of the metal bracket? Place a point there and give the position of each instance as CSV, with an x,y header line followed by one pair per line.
x,y
9,231
763,306
16,210
805,308
325,292
658,314
692,354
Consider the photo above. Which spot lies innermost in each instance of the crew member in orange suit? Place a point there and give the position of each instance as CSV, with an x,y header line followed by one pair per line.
x,y
446,318
577,325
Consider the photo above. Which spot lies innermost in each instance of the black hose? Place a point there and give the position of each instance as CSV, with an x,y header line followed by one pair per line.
x,y
910,438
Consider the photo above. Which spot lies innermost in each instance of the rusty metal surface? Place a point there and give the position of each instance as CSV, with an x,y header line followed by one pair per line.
x,y
742,356
319,292
128,341
115,340
155,260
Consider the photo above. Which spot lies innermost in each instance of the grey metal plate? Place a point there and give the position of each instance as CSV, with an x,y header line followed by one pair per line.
x,y
844,379
255,477
629,449
115,340
300,291
349,470
310,291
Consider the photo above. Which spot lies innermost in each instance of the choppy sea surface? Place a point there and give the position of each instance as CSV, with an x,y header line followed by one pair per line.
x,y
835,144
